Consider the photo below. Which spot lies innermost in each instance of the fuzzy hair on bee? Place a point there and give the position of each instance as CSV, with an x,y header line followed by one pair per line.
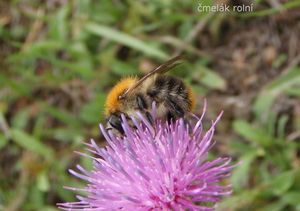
x,y
173,98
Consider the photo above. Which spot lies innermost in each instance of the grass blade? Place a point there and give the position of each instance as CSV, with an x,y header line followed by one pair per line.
x,y
125,39
279,85
30,143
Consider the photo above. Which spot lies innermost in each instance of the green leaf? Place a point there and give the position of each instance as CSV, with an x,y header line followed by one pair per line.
x,y
281,183
281,126
125,39
285,81
93,112
58,26
43,46
49,208
279,85
62,115
123,68
276,206
239,201
211,79
43,182
20,119
3,141
241,174
4,135
199,90
81,60
291,198
64,134
293,91
257,135
39,126
280,60
262,104
30,143
86,162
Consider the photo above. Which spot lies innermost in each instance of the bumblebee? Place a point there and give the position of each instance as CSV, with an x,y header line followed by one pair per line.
x,y
173,98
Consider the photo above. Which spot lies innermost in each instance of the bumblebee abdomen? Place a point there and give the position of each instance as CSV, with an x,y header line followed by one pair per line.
x,y
165,85
172,93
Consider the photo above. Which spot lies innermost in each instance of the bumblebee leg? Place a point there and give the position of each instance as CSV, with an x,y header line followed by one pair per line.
x,y
149,117
170,116
142,105
141,102
115,122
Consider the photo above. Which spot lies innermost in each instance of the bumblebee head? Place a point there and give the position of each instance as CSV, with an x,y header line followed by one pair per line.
x,y
113,104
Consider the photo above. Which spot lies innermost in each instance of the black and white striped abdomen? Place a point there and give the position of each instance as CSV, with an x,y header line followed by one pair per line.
x,y
171,95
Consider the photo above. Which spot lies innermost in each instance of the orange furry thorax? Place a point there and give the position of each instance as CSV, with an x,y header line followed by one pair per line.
x,y
113,103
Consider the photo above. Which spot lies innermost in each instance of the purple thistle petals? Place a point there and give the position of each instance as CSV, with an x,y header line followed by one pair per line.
x,y
147,124
198,126
153,167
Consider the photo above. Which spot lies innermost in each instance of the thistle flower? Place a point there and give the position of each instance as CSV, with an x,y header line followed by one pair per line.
x,y
158,166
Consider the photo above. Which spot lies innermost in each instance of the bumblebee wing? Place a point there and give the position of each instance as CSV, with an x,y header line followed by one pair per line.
x,y
168,65
161,69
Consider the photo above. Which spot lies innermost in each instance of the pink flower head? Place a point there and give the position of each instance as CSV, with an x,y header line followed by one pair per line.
x,y
160,166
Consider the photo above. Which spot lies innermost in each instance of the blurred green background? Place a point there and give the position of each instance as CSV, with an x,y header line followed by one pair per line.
x,y
58,59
